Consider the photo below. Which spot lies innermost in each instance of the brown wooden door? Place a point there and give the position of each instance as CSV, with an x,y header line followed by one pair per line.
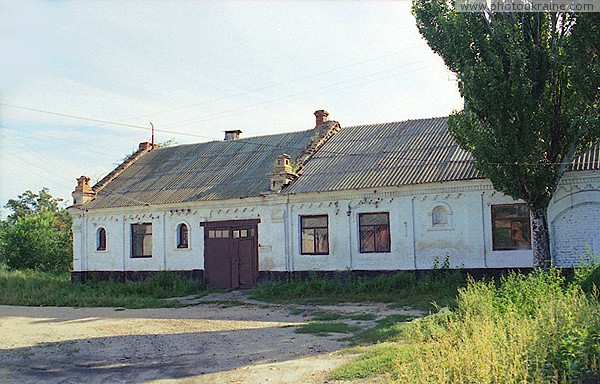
x,y
231,253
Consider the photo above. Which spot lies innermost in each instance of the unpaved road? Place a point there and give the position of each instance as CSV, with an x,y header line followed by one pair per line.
x,y
203,343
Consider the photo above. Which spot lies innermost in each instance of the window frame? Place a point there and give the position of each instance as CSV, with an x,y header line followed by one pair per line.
x,y
101,239
183,243
315,238
133,236
374,227
527,218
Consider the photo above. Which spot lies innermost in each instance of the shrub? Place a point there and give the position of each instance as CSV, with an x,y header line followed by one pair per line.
x,y
534,329
41,241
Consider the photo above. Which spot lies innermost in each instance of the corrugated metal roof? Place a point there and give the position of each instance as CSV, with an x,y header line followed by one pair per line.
x,y
389,154
215,170
587,161
364,156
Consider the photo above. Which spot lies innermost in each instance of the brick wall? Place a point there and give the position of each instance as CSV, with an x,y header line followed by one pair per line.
x,y
573,229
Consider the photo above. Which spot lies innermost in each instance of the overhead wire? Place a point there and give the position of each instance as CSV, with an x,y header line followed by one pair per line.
x,y
271,86
311,93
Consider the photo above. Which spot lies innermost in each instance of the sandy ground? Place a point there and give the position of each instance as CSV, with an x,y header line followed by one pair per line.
x,y
207,342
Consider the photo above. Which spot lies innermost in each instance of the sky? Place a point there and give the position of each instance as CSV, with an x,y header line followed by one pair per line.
x,y
81,81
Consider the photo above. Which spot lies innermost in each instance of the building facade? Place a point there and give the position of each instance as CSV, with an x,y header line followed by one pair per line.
x,y
381,197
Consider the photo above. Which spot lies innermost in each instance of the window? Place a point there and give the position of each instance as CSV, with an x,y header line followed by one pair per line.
x,y
141,240
374,232
510,227
218,233
182,236
101,240
315,235
242,233
439,216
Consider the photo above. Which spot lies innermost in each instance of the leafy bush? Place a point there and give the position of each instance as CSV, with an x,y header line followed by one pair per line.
x,y
37,235
38,241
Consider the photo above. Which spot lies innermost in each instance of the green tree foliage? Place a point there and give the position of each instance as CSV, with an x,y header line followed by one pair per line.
x,y
29,203
530,83
37,235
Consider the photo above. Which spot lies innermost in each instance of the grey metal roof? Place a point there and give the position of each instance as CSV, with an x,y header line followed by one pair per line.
x,y
390,154
365,156
587,161
206,171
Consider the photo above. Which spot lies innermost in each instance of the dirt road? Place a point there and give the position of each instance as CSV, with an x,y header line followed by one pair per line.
x,y
218,342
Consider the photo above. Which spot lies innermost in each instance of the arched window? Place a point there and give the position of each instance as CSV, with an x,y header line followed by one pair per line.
x,y
101,240
182,236
439,216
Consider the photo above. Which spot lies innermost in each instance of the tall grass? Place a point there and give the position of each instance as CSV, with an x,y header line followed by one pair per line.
x,y
440,286
32,288
537,328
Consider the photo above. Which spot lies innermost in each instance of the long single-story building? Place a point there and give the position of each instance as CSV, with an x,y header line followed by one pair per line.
x,y
378,197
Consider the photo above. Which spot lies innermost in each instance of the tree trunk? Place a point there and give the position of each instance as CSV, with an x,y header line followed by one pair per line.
x,y
541,238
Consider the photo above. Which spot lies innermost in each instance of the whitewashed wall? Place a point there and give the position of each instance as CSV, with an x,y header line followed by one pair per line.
x,y
574,218
416,243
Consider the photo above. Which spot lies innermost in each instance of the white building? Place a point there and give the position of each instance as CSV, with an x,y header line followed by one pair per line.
x,y
381,197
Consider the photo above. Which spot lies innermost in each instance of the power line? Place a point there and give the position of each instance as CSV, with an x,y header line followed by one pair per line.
x,y
272,85
73,116
330,88
222,114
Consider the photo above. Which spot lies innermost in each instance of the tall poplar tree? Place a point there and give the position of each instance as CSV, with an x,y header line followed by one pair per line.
x,y
530,84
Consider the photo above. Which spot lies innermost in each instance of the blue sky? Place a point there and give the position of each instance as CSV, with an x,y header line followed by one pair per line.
x,y
196,69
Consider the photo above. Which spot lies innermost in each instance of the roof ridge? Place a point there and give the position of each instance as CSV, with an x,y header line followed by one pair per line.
x,y
394,122
143,148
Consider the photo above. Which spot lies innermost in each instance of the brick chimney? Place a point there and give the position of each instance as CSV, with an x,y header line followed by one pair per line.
x,y
83,192
282,174
232,135
320,117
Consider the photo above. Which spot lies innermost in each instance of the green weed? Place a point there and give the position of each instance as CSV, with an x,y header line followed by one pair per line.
x,y
325,328
32,288
538,328
402,288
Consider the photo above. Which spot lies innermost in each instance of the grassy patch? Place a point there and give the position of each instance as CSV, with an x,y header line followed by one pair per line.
x,y
296,311
327,316
537,328
362,316
389,328
32,288
374,362
402,288
325,328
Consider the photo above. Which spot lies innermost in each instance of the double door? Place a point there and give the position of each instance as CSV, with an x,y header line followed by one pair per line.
x,y
231,253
